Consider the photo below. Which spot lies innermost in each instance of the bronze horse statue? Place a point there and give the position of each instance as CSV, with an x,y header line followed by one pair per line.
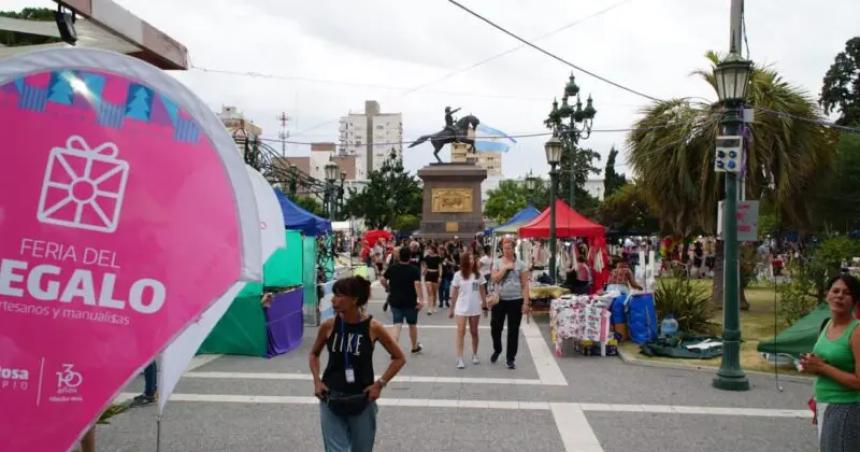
x,y
447,135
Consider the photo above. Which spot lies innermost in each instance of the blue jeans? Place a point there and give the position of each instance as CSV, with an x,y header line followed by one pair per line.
x,y
445,290
348,433
150,379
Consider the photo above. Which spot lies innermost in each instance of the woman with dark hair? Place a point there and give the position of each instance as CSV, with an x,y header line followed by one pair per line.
x,y
447,276
835,360
432,264
470,299
347,391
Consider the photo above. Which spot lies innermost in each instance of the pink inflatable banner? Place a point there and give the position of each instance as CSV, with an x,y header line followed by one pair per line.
x,y
123,206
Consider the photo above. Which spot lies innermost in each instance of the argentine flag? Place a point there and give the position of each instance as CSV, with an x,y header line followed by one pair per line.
x,y
492,140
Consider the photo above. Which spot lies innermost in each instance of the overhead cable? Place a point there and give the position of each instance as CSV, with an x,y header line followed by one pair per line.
x,y
514,49
552,55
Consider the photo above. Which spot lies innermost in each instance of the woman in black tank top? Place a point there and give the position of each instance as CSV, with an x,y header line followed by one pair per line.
x,y
346,390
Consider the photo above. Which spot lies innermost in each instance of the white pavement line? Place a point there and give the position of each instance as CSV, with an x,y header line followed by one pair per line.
x,y
545,364
576,433
201,360
565,413
443,327
398,379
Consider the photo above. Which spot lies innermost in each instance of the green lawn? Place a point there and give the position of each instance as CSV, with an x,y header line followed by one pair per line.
x,y
756,326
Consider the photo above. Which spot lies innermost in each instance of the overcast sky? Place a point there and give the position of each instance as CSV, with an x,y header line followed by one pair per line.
x,y
335,54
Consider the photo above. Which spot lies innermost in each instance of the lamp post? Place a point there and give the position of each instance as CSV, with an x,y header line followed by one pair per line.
x,y
732,77
553,149
571,124
331,173
340,191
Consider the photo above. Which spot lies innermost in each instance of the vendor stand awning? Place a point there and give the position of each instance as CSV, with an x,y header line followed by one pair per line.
x,y
520,218
300,219
568,223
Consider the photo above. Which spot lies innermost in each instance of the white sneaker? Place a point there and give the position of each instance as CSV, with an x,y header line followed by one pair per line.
x,y
475,360
460,363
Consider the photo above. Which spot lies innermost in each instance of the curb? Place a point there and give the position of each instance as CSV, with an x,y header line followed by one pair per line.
x,y
639,362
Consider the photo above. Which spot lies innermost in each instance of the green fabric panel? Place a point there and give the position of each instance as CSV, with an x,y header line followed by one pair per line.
x,y
282,270
800,337
241,331
309,274
251,289
676,348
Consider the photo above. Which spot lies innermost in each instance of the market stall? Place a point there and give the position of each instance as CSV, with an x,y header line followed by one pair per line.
x,y
250,328
585,319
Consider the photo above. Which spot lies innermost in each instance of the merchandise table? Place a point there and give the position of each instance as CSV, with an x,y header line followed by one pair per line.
x,y
582,318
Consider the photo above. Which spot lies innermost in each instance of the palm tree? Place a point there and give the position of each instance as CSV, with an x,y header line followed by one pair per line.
x,y
672,153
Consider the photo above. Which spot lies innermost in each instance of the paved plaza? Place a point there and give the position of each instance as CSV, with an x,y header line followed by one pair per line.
x,y
549,403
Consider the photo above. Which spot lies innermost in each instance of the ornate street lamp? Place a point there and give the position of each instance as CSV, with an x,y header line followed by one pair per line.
x,y
571,124
732,77
331,173
340,191
553,149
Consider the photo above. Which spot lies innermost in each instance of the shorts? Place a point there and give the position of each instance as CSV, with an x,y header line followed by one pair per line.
x,y
410,314
431,277
379,267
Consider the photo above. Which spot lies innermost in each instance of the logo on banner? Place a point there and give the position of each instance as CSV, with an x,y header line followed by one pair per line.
x,y
83,188
12,379
68,380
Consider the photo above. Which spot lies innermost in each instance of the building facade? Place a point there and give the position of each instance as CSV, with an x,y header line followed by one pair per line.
x,y
490,161
238,126
371,137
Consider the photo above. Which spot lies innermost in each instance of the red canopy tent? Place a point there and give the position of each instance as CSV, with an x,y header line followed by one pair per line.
x,y
569,223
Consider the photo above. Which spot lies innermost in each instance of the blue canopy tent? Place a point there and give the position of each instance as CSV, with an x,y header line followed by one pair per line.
x,y
299,219
527,213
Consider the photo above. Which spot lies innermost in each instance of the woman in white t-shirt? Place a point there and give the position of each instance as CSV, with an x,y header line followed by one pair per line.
x,y
469,299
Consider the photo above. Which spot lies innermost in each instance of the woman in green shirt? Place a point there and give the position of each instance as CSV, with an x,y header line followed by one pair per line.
x,y
835,360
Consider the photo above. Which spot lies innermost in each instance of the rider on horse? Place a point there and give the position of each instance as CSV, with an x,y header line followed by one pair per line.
x,y
449,120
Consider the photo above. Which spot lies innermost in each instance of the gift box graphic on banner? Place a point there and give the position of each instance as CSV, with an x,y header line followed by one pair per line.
x,y
83,187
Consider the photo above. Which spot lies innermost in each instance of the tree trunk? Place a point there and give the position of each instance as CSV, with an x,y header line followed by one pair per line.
x,y
717,294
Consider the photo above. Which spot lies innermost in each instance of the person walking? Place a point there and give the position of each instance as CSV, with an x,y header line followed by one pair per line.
x,y
447,277
432,273
150,386
470,298
347,390
512,277
402,281
835,361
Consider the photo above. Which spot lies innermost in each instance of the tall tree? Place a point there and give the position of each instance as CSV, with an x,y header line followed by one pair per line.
x,y
612,180
626,211
672,153
841,90
583,166
390,193
310,204
838,197
511,196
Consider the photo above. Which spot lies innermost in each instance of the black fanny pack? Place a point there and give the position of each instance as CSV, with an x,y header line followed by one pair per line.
x,y
346,404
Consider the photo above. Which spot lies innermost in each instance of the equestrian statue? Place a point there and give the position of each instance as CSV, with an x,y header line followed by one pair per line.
x,y
454,132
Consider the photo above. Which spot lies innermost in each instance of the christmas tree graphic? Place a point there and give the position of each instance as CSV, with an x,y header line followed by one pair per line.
x,y
60,90
140,105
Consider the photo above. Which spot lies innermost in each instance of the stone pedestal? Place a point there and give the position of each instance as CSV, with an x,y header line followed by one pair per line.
x,y
452,200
